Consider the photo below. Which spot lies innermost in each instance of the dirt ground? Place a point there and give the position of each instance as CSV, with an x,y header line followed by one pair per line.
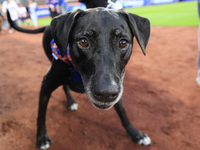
x,y
161,97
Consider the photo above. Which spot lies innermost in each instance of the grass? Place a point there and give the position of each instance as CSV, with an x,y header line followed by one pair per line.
x,y
176,14
44,21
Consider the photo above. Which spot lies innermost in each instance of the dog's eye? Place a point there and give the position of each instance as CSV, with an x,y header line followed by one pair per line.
x,y
122,43
83,42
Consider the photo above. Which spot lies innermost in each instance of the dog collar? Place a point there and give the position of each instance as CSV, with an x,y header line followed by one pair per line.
x,y
66,59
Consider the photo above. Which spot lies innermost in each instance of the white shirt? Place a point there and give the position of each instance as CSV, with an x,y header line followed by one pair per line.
x,y
22,12
12,8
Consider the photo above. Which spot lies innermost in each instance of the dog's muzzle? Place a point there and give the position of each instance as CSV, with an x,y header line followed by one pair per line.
x,y
104,93
104,102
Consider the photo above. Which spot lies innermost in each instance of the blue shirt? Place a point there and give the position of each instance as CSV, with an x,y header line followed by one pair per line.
x,y
53,2
61,2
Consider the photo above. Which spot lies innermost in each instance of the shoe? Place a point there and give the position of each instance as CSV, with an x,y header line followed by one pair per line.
x,y
10,31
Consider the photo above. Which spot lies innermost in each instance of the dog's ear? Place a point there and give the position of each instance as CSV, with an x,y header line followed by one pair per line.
x,y
61,27
140,28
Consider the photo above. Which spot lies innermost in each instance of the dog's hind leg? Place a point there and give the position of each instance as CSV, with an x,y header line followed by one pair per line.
x,y
71,104
136,135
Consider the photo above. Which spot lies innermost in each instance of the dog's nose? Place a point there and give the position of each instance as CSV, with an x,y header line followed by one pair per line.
x,y
106,91
106,96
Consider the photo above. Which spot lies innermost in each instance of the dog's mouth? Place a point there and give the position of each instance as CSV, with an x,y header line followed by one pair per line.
x,y
101,105
104,104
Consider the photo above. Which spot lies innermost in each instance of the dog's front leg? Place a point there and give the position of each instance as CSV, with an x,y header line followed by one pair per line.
x,y
43,141
56,76
136,135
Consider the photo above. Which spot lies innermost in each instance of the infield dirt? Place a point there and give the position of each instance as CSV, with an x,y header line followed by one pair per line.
x,y
161,97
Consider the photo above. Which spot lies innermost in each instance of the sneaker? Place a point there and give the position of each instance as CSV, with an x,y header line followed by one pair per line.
x,y
10,31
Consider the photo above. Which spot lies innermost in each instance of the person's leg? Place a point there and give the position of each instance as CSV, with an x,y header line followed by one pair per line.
x,y
34,19
10,30
5,24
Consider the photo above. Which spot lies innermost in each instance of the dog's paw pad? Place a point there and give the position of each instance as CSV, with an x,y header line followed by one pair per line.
x,y
73,107
145,141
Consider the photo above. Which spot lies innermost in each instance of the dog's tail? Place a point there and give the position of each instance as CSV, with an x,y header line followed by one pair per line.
x,y
16,27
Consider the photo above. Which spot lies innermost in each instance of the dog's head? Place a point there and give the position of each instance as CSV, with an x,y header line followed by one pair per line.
x,y
100,43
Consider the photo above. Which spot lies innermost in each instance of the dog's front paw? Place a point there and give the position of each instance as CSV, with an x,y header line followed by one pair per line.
x,y
43,142
143,139
138,137
73,107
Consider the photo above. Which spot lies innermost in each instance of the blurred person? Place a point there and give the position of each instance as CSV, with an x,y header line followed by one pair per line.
x,y
32,9
1,19
12,7
22,13
1,24
5,21
116,4
28,20
63,6
94,3
54,7
198,72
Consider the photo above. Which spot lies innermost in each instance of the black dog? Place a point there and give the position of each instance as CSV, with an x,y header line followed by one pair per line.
x,y
100,42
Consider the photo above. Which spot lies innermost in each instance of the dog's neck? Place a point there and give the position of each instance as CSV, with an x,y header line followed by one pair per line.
x,y
66,59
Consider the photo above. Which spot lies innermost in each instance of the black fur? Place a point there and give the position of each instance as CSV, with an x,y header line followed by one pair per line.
x,y
101,63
